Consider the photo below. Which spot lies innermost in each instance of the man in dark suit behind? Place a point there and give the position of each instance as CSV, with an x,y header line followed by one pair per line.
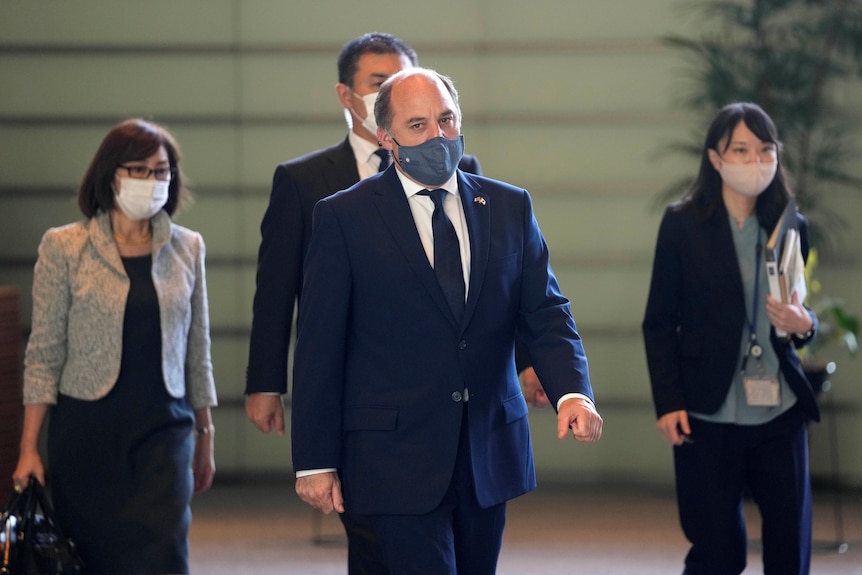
x,y
363,64
407,409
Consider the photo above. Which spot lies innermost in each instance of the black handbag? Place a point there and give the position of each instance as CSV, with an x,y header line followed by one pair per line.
x,y
31,542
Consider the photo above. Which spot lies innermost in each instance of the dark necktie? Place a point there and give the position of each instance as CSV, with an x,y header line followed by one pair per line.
x,y
384,159
447,254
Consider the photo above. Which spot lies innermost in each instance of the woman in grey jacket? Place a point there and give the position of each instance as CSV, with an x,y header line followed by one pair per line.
x,y
119,354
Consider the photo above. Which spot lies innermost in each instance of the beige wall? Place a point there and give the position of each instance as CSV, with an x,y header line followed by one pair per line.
x,y
570,99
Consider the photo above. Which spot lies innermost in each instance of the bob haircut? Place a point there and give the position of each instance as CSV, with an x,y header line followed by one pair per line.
x,y
704,196
131,140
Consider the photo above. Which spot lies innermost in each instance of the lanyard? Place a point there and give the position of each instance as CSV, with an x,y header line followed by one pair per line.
x,y
754,349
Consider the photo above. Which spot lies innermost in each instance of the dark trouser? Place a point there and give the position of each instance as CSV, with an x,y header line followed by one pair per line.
x,y
457,538
712,473
364,554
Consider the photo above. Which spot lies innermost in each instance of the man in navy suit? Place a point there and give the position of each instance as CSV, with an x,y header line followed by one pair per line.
x,y
363,64
407,406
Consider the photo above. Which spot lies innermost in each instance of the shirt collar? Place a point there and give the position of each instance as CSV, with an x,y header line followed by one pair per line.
x,y
411,188
362,148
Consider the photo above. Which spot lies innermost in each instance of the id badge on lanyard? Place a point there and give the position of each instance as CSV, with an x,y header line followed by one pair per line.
x,y
761,389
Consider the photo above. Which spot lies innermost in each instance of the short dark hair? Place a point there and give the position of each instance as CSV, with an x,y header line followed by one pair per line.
x,y
131,140
383,104
705,194
371,43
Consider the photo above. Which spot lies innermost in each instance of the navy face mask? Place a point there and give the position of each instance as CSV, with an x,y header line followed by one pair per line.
x,y
432,162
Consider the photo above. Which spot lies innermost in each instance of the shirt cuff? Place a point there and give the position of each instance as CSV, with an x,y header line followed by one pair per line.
x,y
574,396
307,472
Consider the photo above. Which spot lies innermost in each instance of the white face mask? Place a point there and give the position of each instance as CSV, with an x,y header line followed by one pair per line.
x,y
142,199
748,179
368,122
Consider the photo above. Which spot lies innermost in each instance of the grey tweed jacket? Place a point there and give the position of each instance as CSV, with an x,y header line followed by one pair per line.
x,y
79,299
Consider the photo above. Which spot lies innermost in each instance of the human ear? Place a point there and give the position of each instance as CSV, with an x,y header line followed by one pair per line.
x,y
384,139
345,95
714,159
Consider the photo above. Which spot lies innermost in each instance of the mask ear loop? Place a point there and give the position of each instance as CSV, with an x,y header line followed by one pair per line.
x,y
395,156
369,114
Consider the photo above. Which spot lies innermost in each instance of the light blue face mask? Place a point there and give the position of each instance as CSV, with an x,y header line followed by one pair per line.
x,y
432,162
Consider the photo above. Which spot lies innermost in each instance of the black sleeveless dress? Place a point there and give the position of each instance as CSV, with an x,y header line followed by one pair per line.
x,y
119,468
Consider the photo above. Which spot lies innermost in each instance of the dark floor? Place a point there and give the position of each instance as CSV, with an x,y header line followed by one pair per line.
x,y
261,528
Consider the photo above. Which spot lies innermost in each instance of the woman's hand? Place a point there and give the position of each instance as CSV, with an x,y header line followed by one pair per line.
x,y
674,427
791,317
203,464
30,463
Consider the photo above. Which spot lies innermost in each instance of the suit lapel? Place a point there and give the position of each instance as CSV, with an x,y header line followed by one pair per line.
x,y
394,210
343,172
99,228
477,213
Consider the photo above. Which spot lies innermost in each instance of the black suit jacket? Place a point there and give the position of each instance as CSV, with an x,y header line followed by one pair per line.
x,y
285,234
695,315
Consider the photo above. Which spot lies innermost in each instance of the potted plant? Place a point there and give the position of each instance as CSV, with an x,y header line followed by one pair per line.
x,y
838,326
788,56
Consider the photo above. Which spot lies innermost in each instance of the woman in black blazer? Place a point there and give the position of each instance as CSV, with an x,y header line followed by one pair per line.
x,y
730,395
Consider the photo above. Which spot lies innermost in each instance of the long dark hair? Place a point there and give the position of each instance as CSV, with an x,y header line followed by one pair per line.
x,y
704,196
130,140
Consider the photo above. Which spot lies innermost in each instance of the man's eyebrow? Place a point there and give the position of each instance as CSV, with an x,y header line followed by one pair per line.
x,y
417,119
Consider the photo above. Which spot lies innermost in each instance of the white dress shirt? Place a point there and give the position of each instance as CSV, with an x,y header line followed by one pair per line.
x,y
423,209
367,162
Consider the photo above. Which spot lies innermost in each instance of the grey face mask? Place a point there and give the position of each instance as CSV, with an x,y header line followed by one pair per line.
x,y
432,162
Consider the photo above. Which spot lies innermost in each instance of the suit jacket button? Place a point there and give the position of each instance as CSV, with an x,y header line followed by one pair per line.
x,y
462,345
456,396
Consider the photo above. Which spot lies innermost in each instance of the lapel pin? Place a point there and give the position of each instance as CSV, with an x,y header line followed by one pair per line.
x,y
479,200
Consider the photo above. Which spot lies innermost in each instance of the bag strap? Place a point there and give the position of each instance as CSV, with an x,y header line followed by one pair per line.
x,y
38,496
13,504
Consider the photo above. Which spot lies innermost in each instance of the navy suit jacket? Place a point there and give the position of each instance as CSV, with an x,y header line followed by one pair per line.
x,y
380,361
695,317
285,233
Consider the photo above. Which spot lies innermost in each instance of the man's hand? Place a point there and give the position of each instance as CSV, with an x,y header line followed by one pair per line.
x,y
582,417
674,427
322,491
266,411
533,392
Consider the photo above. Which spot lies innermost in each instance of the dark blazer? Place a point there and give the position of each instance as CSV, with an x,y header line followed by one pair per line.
x,y
695,316
285,233
381,365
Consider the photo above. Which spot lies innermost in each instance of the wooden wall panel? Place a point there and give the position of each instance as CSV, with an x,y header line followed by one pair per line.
x,y
11,409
